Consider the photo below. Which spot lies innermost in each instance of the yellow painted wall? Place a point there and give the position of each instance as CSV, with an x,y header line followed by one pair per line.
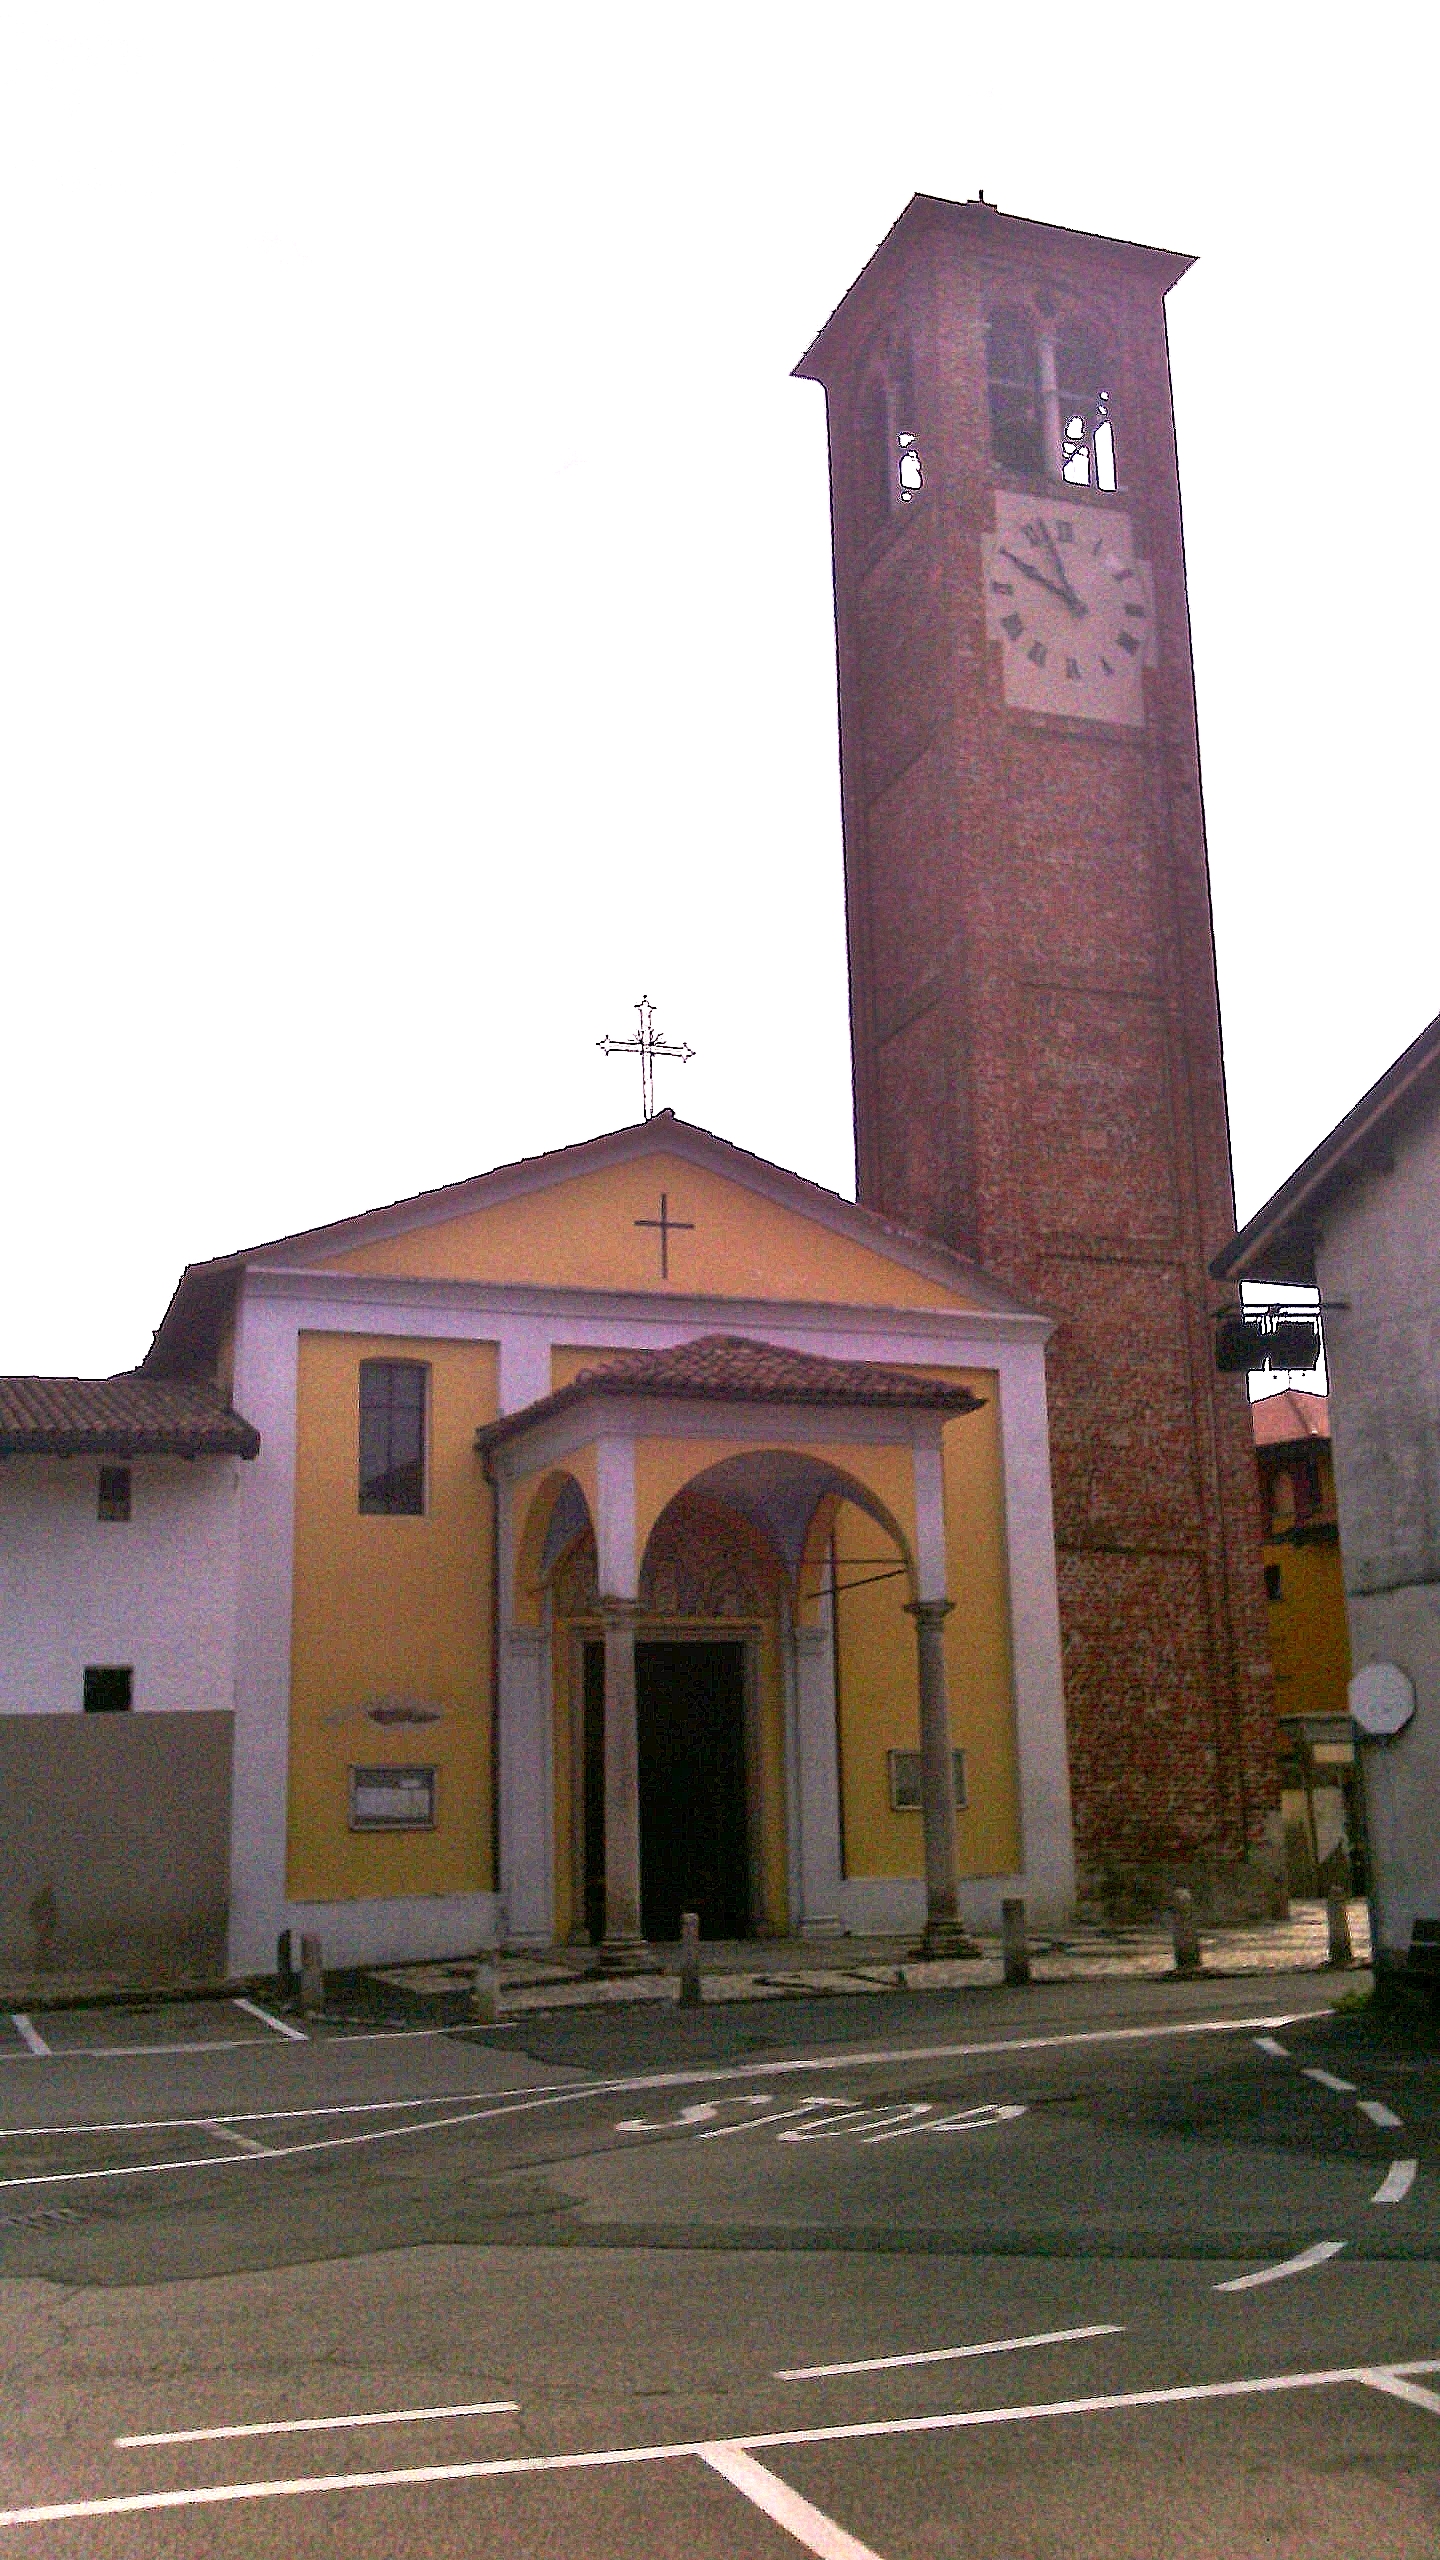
x,y
581,1233
879,1707
1309,1637
386,1606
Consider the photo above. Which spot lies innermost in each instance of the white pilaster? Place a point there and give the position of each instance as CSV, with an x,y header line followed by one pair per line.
x,y
817,1789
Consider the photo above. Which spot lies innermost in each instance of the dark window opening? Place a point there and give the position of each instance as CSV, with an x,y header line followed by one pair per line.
x,y
392,1437
1013,365
1272,1582
108,1688
113,1501
1087,439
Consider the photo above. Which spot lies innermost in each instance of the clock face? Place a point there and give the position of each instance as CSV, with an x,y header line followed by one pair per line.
x,y
1072,608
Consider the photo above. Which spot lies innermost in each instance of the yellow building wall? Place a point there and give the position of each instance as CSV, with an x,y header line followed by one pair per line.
x,y
1309,1635
582,1233
387,1607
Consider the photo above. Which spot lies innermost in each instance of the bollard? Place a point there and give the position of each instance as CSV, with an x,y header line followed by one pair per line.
x,y
485,1989
285,1964
1337,1915
312,1977
689,1959
1015,1949
1187,1936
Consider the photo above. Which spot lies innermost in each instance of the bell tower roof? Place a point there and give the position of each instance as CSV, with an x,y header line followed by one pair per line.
x,y
981,231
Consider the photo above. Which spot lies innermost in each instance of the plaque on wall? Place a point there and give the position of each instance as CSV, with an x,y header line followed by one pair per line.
x,y
392,1799
904,1767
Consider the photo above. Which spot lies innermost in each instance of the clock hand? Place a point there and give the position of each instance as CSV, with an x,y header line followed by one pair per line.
x,y
1027,569
1076,604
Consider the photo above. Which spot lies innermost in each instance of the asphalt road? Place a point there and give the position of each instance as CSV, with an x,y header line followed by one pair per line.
x,y
1120,2269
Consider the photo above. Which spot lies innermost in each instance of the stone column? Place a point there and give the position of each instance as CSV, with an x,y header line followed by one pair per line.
x,y
944,1935
622,1944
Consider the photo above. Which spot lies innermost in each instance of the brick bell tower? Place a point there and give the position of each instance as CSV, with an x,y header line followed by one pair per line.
x,y
1034,1017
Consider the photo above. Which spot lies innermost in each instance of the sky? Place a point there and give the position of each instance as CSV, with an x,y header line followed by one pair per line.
x,y
416,632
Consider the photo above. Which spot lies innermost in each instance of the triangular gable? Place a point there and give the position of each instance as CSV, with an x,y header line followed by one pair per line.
x,y
579,1217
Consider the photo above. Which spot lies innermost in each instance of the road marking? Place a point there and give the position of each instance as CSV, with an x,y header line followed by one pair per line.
x,y
1397,2182
1272,2044
514,2102
1385,2117
1382,2379
1329,2080
1315,2256
785,2507
312,2426
235,2493
281,2026
946,2355
242,2141
28,2035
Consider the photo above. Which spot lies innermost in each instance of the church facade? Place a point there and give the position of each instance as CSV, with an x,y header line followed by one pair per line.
x,y
638,1528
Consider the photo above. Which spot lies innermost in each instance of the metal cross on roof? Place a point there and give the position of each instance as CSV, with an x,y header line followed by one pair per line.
x,y
647,1046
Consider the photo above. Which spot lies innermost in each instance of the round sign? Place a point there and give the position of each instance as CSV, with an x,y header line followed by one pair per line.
x,y
1382,1699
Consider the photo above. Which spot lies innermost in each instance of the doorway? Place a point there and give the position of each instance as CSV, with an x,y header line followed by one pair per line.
x,y
694,1847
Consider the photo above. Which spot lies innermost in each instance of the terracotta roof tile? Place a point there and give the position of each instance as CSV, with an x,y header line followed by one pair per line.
x,y
1295,1414
126,1417
724,1367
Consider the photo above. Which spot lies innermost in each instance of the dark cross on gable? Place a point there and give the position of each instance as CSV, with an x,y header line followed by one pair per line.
x,y
647,1045
668,1227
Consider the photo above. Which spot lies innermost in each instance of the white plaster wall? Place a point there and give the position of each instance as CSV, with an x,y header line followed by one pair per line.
x,y
1401,1777
156,1590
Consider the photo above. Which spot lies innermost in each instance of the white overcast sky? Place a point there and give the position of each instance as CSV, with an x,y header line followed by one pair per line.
x,y
415,616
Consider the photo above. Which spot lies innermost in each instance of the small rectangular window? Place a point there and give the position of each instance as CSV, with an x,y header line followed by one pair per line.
x,y
904,1768
114,1496
392,1436
392,1799
108,1688
1272,1582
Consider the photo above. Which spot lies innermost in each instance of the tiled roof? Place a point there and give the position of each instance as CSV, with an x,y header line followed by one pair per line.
x,y
126,1417
1294,1414
725,1368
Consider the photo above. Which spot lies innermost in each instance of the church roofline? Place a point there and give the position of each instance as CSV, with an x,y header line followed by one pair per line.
x,y
984,228
190,1325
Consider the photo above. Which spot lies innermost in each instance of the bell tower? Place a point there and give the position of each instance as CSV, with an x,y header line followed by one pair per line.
x,y
1034,1018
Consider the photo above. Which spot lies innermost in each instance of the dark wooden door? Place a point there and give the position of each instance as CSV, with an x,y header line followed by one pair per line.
x,y
690,1714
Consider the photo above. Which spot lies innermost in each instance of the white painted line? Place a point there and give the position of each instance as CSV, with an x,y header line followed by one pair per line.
x,y
514,2102
1396,2384
313,2426
242,2141
1315,2256
233,2493
28,2035
1397,2182
281,2026
947,2355
795,2515
1272,2044
1385,2117
1329,2080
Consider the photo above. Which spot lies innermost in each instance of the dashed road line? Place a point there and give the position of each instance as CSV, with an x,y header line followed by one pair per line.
x,y
1385,2117
1384,2378
947,2355
1329,2080
1397,2182
1315,2256
243,2141
29,2036
1272,2044
280,2026
315,2426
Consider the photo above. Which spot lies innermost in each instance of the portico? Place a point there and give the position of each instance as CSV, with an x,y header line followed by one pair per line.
x,y
696,1490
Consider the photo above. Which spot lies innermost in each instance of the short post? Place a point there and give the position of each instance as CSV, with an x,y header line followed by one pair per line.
x,y
689,1959
1187,1936
1014,1945
285,1964
485,1989
312,1976
1337,1917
